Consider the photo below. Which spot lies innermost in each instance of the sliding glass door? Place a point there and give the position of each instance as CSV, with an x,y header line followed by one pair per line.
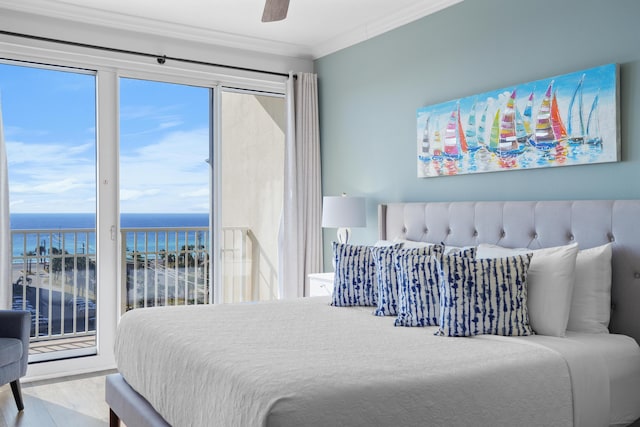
x,y
50,135
166,169
172,151
251,188
164,193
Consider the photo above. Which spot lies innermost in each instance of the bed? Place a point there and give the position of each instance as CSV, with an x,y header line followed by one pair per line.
x,y
305,362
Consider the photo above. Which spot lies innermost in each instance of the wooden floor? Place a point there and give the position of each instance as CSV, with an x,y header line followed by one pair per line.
x,y
70,402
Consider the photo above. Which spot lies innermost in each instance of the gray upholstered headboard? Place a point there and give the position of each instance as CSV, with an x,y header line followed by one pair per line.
x,y
535,225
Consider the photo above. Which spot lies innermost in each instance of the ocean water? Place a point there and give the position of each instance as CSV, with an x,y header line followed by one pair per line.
x,y
54,221
85,242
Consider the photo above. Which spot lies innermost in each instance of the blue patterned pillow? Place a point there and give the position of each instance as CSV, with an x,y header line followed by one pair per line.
x,y
387,274
484,296
418,281
354,282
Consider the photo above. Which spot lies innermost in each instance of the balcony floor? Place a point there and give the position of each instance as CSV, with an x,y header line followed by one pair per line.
x,y
72,343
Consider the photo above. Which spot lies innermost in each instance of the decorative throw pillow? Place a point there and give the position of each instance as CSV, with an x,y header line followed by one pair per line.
x,y
484,296
591,301
354,281
387,277
418,279
551,279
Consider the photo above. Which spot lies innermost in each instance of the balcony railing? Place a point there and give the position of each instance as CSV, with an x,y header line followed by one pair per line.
x,y
54,274
170,266
165,266
54,277
247,271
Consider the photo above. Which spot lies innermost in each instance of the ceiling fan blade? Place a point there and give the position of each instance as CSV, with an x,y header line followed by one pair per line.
x,y
275,10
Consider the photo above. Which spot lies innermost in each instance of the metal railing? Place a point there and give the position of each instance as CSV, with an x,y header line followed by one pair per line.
x,y
54,277
247,271
264,276
165,266
54,273
170,266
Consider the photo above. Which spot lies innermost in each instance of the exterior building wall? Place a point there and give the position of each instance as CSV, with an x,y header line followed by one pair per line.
x,y
252,177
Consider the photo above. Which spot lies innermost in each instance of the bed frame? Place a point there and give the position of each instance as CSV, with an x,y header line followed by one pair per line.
x,y
511,224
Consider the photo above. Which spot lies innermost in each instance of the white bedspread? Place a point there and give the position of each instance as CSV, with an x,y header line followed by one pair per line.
x,y
305,363
621,355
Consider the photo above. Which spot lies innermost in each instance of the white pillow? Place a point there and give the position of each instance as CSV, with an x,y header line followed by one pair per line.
x,y
591,302
411,244
550,281
453,250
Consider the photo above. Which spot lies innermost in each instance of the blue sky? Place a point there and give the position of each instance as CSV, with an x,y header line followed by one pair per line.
x,y
49,128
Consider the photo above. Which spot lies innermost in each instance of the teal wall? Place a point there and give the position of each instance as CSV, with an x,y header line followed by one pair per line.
x,y
369,94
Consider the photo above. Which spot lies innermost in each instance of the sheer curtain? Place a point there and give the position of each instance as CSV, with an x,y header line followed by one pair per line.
x,y
5,227
300,238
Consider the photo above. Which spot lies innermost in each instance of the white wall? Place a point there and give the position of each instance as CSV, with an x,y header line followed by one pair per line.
x,y
253,172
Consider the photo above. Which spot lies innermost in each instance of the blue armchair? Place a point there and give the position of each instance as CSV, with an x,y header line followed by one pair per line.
x,y
15,327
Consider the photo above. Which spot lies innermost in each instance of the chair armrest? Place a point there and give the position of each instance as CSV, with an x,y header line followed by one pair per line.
x,y
15,324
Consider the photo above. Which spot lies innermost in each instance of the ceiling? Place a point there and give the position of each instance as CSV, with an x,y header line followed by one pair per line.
x,y
313,28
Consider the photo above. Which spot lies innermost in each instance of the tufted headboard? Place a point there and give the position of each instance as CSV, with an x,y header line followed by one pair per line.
x,y
535,225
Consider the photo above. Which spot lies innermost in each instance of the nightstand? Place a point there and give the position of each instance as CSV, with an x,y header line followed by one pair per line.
x,y
320,284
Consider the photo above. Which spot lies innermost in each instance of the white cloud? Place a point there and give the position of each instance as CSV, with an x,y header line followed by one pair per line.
x,y
57,187
176,164
50,155
168,125
169,175
11,132
129,194
139,112
160,118
178,159
51,177
202,192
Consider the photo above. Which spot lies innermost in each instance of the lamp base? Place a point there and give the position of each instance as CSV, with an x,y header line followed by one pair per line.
x,y
344,234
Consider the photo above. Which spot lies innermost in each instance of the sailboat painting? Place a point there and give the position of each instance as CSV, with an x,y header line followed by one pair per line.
x,y
572,119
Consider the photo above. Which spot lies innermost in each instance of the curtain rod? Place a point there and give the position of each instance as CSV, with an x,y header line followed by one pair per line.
x,y
161,59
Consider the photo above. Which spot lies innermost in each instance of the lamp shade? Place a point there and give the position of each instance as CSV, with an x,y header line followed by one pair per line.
x,y
343,211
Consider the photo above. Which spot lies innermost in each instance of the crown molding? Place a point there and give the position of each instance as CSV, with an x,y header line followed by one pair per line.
x,y
380,26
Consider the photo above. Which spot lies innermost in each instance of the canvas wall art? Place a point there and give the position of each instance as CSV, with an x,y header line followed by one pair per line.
x,y
564,120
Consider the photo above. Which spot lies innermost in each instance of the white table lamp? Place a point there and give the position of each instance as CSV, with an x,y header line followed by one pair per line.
x,y
343,212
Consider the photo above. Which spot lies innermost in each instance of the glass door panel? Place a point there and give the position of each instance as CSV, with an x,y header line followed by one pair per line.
x,y
164,193
252,171
50,135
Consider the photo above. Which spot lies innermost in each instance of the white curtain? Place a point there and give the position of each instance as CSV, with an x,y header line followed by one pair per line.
x,y
300,237
5,227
